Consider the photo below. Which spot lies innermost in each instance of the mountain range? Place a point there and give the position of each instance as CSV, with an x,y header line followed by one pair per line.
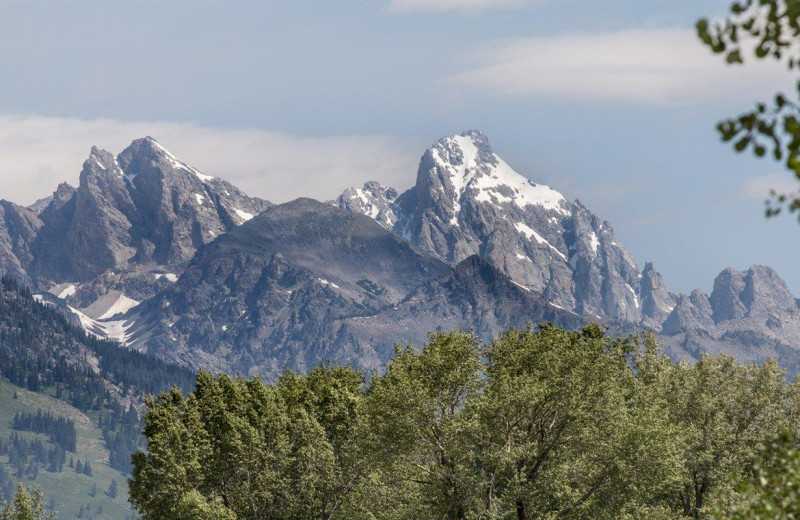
x,y
149,251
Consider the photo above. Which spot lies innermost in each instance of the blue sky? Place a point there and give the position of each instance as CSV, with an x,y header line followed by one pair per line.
x,y
611,102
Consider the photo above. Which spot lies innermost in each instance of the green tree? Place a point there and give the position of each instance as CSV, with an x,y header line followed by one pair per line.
x,y
193,506
563,432
26,505
772,29
261,451
332,398
419,420
723,411
770,491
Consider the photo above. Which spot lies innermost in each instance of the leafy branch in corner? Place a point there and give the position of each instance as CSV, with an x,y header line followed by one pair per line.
x,y
770,29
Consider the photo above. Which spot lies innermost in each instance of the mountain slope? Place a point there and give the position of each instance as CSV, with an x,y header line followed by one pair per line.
x,y
295,286
68,491
99,384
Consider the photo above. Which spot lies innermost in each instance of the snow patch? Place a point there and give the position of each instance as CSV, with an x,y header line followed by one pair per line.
x,y
172,277
114,330
326,282
635,297
121,306
594,242
372,209
200,198
245,216
530,233
203,177
69,291
520,286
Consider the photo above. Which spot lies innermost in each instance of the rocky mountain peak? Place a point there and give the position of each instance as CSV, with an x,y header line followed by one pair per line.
x,y
726,295
657,303
764,292
58,198
142,148
468,201
374,200
132,217
736,295
465,166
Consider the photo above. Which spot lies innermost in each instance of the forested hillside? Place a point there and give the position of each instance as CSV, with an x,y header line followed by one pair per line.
x,y
70,407
537,424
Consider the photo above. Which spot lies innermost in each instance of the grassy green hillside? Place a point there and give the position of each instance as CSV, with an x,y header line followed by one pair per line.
x,y
69,490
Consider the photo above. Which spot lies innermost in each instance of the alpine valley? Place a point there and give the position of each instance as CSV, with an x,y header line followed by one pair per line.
x,y
154,254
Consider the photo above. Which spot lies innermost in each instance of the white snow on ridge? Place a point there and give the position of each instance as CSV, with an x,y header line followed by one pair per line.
x,y
203,177
172,277
519,190
530,233
520,286
199,198
121,306
179,165
245,216
557,306
525,193
366,203
171,158
594,242
635,297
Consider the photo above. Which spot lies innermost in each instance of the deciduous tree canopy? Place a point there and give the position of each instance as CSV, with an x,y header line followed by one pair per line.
x,y
538,424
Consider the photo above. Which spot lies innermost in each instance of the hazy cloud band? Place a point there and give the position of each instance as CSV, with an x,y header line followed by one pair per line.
x,y
36,153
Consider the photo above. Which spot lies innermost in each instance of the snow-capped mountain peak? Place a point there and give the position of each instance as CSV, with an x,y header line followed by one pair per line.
x,y
472,168
467,200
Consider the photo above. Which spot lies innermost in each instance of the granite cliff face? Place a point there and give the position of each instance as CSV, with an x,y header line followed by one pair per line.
x,y
125,232
18,228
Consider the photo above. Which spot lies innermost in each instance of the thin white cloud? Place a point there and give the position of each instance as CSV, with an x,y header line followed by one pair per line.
x,y
658,66
761,186
36,153
406,6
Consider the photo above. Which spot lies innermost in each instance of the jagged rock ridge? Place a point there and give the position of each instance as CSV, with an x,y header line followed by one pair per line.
x,y
125,232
